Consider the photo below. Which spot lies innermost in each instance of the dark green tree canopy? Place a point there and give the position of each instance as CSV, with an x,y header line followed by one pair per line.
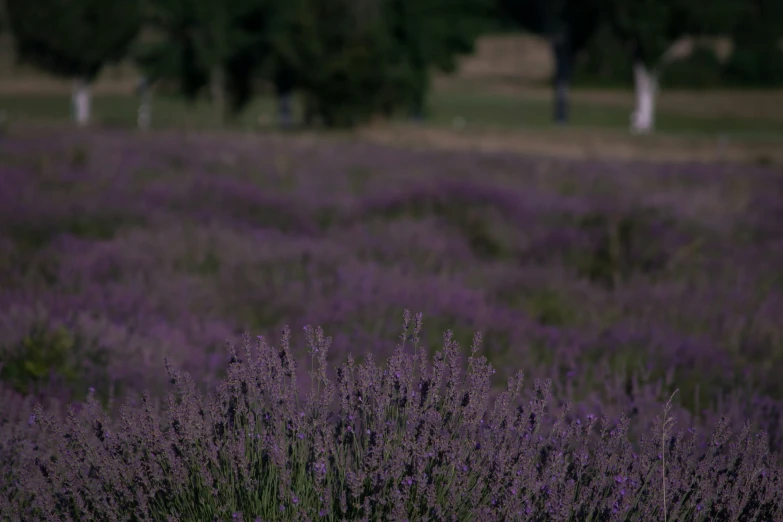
x,y
757,23
3,19
757,58
72,38
190,38
578,19
348,59
339,54
649,27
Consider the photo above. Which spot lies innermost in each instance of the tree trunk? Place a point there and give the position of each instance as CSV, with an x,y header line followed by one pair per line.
x,y
561,103
144,117
80,100
417,112
284,110
561,49
217,90
310,112
417,108
284,82
419,95
646,86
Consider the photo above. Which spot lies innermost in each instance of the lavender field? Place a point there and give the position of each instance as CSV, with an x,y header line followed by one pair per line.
x,y
620,282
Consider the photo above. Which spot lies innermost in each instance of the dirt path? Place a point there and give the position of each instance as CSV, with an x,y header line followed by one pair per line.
x,y
580,144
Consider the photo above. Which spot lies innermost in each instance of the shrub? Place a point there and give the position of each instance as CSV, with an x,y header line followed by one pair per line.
x,y
39,351
758,65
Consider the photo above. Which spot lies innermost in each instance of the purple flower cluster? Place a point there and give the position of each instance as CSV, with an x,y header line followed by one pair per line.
x,y
611,285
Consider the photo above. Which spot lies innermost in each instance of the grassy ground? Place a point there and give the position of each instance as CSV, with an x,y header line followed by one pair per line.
x,y
495,120
745,115
483,108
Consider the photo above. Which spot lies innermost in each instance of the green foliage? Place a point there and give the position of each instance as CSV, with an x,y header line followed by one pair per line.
x,y
358,177
644,27
756,66
3,18
701,70
206,265
30,239
173,59
473,219
34,236
444,29
342,59
568,25
40,352
79,156
604,62
44,352
548,307
73,38
350,61
4,123
480,237
201,43
621,247
757,59
647,28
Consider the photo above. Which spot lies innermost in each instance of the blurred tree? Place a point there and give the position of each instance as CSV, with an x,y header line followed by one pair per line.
x,y
604,62
3,18
352,60
205,45
702,69
757,58
73,39
568,25
419,35
262,61
349,60
337,54
434,34
648,28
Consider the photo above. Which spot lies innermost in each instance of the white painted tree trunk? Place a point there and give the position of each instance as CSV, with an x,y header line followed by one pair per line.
x,y
646,87
81,102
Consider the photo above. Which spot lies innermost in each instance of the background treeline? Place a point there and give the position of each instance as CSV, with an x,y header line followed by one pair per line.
x,y
348,61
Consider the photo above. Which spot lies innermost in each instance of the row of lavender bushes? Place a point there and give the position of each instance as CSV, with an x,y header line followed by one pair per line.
x,y
616,284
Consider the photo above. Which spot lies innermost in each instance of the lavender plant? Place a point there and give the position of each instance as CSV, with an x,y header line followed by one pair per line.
x,y
417,440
